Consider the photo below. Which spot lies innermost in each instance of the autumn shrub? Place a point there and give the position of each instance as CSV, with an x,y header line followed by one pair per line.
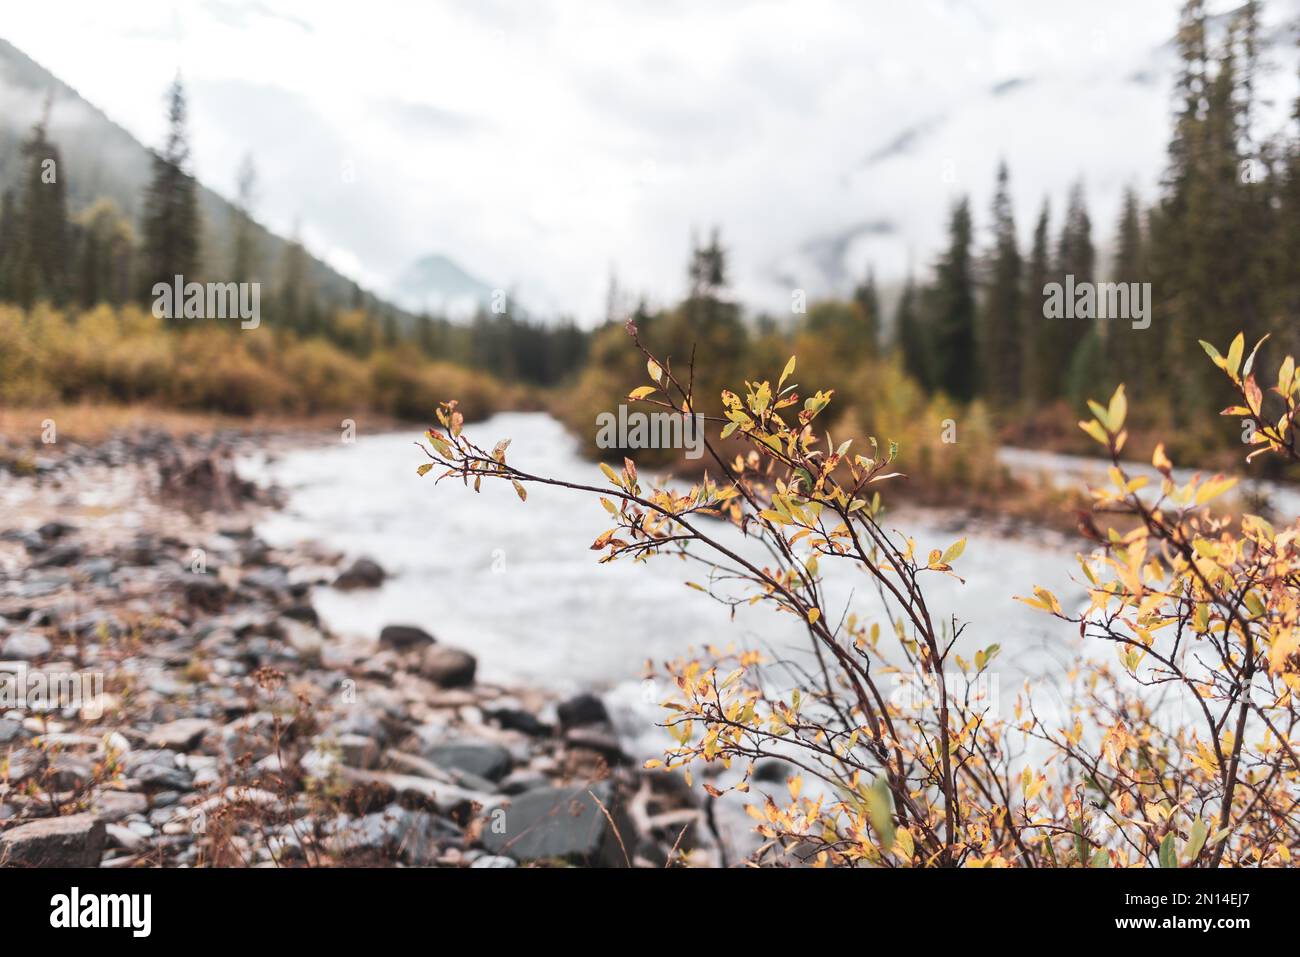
x,y
950,446
1178,752
410,390
21,374
324,376
128,355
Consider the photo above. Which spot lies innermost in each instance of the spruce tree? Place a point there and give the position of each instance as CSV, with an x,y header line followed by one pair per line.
x,y
1000,335
38,253
1039,380
1076,342
9,244
911,337
868,301
1131,354
293,293
244,254
171,205
950,309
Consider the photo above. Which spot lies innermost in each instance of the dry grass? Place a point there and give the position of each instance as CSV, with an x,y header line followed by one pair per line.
x,y
95,421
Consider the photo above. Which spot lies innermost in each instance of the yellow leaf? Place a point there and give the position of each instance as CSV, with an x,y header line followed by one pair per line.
x,y
1161,461
1234,355
641,392
611,474
789,369
1118,409
1214,488
1032,790
424,469
904,842
519,490
1094,429
813,615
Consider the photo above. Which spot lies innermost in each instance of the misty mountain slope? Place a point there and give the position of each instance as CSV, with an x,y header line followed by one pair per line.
x,y
101,159
1097,112
437,285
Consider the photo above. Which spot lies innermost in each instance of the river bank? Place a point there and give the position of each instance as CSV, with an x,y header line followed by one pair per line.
x,y
203,713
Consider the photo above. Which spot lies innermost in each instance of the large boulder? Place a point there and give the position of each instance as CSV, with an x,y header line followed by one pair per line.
x,y
563,823
448,667
73,841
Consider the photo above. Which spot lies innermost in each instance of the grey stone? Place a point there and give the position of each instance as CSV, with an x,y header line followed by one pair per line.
x,y
143,551
73,841
582,709
359,721
516,719
404,637
493,860
448,667
25,645
113,806
601,740
302,637
206,592
445,797
158,770
357,750
60,556
53,531
271,579
10,730
524,779
182,734
564,823
362,573
414,837
304,612
67,772
25,763
479,758
124,837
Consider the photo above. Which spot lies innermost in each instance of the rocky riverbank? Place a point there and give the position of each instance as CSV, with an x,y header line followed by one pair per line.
x,y
168,697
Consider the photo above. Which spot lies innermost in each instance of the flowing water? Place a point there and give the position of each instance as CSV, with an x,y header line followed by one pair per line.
x,y
516,584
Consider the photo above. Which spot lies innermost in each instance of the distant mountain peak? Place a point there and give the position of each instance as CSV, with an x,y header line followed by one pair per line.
x,y
439,285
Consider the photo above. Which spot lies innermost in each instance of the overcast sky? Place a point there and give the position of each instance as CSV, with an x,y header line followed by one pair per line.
x,y
541,143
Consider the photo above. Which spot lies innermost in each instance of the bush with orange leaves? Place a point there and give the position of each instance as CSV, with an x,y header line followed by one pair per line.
x,y
1179,754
